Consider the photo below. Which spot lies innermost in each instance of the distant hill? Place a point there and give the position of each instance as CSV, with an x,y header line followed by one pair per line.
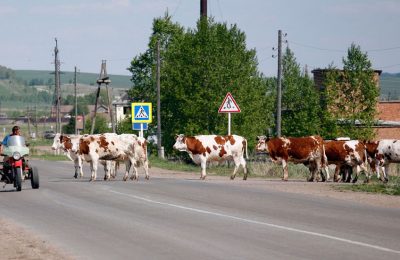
x,y
43,77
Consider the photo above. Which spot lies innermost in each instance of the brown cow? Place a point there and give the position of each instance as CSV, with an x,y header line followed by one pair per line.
x,y
306,150
346,153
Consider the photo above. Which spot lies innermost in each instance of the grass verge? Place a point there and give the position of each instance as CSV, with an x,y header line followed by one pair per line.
x,y
375,186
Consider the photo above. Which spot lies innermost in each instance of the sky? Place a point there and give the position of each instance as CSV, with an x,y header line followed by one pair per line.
x,y
319,32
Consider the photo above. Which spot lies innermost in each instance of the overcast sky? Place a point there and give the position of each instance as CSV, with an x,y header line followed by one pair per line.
x,y
319,32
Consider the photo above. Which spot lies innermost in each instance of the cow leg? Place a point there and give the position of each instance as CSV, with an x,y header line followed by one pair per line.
x,y
127,168
385,170
146,169
350,172
237,165
326,169
243,163
336,176
93,167
77,167
377,166
203,170
107,170
285,170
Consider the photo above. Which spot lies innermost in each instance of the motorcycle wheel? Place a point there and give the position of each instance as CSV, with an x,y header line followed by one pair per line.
x,y
18,178
34,178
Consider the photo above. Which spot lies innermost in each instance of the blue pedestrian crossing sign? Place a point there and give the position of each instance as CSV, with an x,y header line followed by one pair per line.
x,y
141,113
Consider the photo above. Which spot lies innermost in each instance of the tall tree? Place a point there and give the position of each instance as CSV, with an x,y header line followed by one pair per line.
x,y
299,100
352,95
199,70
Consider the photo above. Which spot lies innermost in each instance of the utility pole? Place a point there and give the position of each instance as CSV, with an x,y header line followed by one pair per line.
x,y
203,8
57,88
103,79
76,103
160,149
28,115
279,90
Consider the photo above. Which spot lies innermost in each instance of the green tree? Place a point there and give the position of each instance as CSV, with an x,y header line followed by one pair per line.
x,y
100,126
300,100
351,96
199,70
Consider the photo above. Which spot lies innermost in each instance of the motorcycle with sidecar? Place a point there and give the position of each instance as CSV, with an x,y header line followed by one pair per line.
x,y
14,169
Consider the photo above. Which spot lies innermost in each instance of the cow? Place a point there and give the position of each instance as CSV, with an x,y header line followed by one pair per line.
x,y
306,150
66,144
138,149
111,146
206,148
381,154
350,153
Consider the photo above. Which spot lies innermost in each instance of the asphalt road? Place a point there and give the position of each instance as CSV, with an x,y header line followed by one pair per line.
x,y
185,218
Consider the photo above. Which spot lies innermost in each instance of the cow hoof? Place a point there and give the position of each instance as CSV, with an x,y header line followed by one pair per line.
x,y
125,178
310,180
244,178
232,177
386,180
283,179
76,176
147,178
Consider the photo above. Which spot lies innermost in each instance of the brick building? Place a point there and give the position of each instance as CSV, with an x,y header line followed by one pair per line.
x,y
388,116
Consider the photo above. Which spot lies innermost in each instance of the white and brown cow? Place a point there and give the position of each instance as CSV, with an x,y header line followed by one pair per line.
x,y
350,153
113,147
381,154
206,148
306,150
67,142
137,150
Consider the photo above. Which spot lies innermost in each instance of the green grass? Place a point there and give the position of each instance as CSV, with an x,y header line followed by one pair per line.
x,y
49,157
375,186
255,169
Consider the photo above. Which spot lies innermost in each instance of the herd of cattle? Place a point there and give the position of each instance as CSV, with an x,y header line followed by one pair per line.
x,y
347,155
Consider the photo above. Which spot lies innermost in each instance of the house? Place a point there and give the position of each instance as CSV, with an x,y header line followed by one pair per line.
x,y
388,112
64,111
122,107
388,126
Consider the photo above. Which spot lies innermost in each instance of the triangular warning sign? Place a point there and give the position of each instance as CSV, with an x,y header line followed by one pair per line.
x,y
141,113
229,105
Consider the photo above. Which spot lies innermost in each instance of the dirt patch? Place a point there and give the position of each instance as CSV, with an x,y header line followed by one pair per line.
x,y
18,243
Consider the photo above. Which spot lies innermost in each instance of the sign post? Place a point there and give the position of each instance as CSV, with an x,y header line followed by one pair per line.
x,y
141,116
229,106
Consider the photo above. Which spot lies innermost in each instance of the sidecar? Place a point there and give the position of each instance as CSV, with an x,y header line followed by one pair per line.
x,y
14,169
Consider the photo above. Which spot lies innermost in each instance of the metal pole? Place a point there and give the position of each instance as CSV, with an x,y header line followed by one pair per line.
x,y
76,104
110,110
203,8
159,146
279,91
229,123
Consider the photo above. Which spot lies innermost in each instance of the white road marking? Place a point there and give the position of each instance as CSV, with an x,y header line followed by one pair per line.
x,y
259,223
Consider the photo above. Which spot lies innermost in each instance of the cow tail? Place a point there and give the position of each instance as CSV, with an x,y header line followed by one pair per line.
x,y
247,154
324,159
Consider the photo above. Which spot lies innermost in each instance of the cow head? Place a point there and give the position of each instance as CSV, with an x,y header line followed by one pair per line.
x,y
180,143
262,146
56,142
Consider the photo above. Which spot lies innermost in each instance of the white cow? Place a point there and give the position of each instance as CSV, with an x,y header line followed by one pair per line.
x,y
111,146
69,143
205,148
381,154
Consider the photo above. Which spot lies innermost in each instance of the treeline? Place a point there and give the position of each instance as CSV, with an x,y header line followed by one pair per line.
x,y
199,66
